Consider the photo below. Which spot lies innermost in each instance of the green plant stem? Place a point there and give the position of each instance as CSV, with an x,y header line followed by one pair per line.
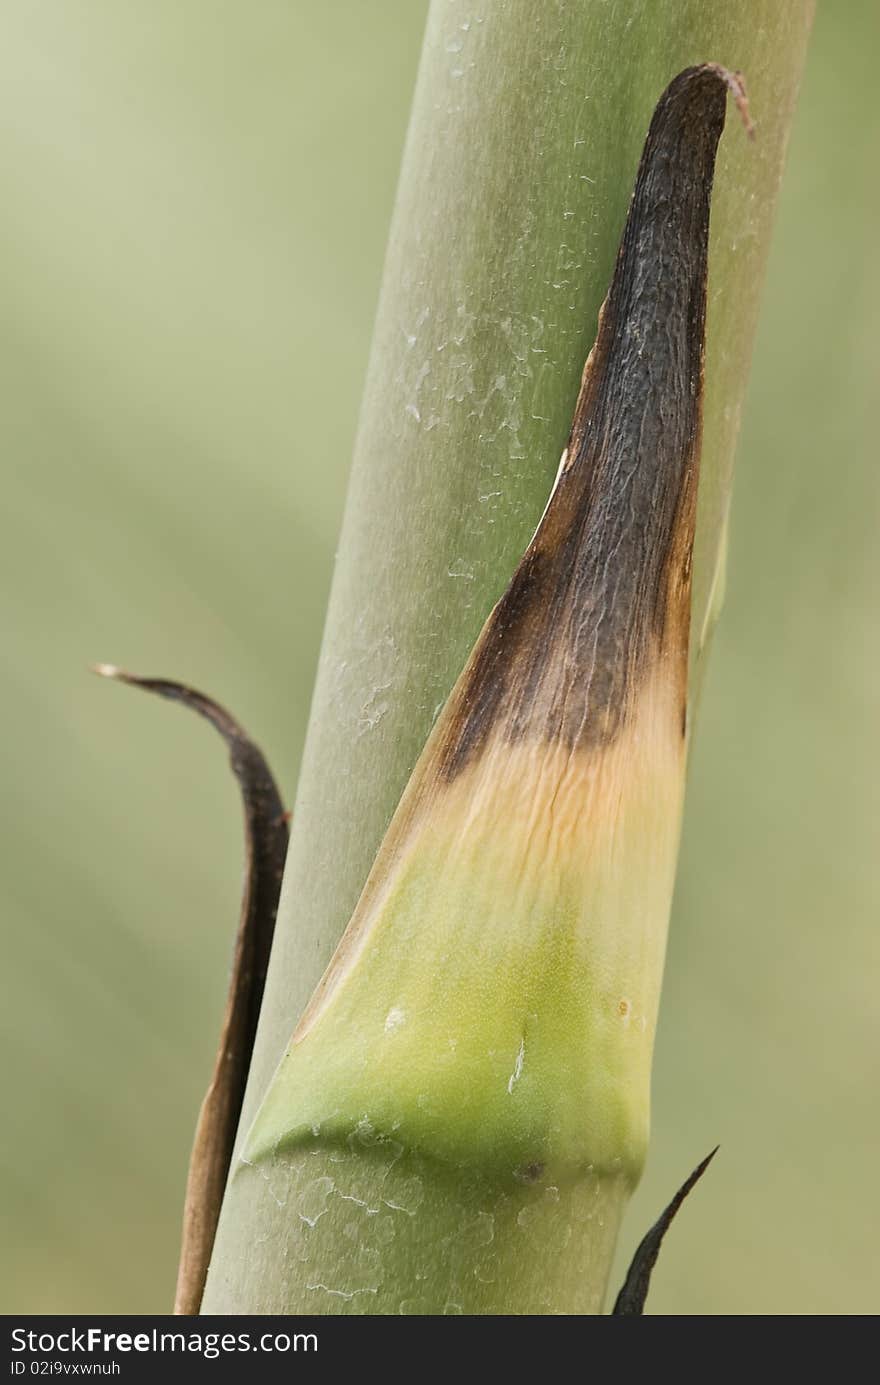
x,y
525,135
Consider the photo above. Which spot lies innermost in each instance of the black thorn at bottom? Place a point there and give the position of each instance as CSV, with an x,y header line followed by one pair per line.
x,y
631,1299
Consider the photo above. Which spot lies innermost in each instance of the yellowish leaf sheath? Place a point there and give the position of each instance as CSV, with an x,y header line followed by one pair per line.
x,y
493,1002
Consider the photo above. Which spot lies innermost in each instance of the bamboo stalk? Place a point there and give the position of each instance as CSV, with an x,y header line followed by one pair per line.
x,y
525,135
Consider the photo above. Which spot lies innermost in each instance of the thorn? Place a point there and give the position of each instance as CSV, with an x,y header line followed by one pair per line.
x,y
631,1300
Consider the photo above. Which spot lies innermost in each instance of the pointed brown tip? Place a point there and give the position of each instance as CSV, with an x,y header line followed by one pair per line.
x,y
631,1299
169,688
602,595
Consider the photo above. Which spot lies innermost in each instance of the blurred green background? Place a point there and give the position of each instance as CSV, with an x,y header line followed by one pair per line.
x,y
196,197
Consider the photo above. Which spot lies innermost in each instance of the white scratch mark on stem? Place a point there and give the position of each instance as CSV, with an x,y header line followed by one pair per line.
x,y
517,1067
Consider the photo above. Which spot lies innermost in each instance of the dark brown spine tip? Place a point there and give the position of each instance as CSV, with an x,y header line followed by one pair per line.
x,y
266,835
604,588
630,1301
206,707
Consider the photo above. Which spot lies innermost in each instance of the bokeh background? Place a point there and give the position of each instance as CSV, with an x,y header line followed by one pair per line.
x,y
185,326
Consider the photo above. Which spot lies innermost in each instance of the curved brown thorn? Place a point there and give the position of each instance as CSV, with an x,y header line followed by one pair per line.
x,y
266,837
630,1301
